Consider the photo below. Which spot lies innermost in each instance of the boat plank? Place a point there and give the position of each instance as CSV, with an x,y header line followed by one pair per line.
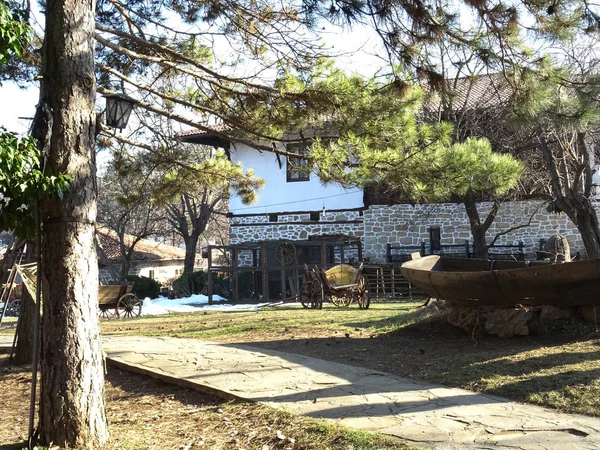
x,y
506,283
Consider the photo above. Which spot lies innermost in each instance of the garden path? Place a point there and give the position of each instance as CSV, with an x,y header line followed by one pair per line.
x,y
425,415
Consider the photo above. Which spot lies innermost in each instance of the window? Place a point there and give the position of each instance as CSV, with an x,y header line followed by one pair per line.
x,y
273,217
178,272
298,169
151,274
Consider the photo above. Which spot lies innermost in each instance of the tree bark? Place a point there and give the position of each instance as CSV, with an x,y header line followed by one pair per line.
x,y
191,243
580,210
574,199
478,231
125,265
72,389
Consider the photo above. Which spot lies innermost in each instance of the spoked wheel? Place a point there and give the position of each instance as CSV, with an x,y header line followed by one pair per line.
x,y
317,296
108,313
129,306
285,253
305,293
362,293
341,300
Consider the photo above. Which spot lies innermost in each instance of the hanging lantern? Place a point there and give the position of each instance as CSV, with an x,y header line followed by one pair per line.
x,y
118,110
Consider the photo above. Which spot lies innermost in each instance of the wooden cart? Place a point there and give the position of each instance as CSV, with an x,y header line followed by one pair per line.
x,y
118,301
342,284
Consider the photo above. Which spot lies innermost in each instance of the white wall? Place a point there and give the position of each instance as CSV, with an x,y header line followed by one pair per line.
x,y
280,196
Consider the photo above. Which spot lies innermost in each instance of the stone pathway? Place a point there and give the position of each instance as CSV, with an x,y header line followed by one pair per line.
x,y
423,414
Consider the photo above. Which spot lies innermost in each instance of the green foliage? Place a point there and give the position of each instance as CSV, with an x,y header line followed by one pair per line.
x,y
190,283
196,171
144,287
562,96
21,180
386,143
21,176
14,33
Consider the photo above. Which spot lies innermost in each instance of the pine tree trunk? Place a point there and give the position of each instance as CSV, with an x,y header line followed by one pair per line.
x,y
191,243
582,213
481,250
478,231
71,396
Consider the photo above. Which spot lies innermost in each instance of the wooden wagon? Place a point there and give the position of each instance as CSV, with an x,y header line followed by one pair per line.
x,y
118,301
342,284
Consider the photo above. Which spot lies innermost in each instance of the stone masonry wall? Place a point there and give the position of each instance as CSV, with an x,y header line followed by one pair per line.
x,y
295,227
409,225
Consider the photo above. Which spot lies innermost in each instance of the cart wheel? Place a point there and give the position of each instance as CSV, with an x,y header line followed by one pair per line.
x,y
129,306
305,293
341,300
317,295
285,253
108,313
362,293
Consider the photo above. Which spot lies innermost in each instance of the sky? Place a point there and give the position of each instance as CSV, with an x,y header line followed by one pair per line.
x,y
356,49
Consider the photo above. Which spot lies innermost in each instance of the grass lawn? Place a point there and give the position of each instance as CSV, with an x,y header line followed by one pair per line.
x,y
561,370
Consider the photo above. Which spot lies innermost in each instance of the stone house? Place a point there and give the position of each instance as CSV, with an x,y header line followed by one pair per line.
x,y
151,259
296,205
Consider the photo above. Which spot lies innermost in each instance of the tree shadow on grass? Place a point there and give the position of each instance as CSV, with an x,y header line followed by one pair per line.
x,y
15,446
138,385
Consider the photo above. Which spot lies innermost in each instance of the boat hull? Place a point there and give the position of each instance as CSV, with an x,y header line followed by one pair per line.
x,y
506,283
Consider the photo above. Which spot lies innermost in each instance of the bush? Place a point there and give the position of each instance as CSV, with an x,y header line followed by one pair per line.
x,y
144,287
223,286
189,283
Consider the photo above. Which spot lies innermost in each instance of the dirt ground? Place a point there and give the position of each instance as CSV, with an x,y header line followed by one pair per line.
x,y
144,413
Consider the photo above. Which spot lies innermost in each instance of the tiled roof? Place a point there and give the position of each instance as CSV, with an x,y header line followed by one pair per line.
x,y
220,127
145,249
477,92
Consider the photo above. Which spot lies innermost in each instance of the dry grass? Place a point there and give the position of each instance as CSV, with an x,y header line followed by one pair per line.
x,y
560,370
280,321
149,414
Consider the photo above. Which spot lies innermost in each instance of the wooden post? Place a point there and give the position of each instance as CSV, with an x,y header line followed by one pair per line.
x,y
265,271
255,274
209,276
234,275
323,255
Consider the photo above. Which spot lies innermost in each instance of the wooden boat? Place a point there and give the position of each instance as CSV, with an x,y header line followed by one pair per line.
x,y
506,283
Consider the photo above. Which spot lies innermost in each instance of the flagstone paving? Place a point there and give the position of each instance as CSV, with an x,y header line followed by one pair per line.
x,y
425,415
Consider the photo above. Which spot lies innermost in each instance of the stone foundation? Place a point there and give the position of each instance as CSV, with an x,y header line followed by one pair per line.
x,y
519,320
409,225
406,224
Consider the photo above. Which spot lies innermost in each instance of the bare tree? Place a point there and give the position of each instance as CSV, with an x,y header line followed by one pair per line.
x,y
125,207
191,215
